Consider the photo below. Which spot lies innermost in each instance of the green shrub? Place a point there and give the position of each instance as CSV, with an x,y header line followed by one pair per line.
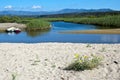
x,y
84,63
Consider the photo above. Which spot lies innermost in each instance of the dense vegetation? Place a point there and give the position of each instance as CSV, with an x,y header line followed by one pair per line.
x,y
7,19
81,15
111,21
31,23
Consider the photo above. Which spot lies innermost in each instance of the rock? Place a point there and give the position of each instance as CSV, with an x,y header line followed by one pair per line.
x,y
115,62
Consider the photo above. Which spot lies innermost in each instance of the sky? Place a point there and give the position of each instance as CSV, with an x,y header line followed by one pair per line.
x,y
55,5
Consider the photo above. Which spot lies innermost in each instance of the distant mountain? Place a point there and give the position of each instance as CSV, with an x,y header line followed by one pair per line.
x,y
23,13
83,10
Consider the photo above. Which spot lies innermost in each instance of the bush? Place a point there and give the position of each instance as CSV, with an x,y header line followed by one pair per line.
x,y
84,63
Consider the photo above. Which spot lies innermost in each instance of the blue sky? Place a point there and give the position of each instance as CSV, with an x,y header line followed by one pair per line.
x,y
54,5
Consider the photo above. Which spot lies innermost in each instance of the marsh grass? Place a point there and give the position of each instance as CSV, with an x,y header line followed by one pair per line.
x,y
81,63
37,24
108,21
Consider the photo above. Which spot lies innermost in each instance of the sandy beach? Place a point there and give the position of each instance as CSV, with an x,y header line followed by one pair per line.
x,y
46,61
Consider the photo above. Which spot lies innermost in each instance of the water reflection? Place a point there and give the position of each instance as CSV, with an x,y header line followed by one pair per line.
x,y
37,33
10,33
29,33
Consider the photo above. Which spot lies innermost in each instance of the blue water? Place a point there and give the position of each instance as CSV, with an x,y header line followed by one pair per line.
x,y
53,35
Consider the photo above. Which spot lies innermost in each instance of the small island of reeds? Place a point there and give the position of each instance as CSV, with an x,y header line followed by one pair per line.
x,y
37,25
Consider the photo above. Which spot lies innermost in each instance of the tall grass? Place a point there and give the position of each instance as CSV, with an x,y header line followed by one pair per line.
x,y
112,21
37,25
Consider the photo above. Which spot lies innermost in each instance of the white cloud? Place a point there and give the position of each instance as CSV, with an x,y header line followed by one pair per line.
x,y
8,7
36,7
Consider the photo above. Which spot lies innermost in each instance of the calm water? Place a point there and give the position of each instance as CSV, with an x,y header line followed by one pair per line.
x,y
53,35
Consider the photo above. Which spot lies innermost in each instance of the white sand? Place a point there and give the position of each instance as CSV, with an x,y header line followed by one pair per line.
x,y
19,60
4,26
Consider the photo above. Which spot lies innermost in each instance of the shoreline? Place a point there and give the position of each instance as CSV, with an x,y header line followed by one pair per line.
x,y
45,61
58,43
99,31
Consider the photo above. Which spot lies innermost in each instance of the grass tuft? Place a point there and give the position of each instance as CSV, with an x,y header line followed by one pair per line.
x,y
81,63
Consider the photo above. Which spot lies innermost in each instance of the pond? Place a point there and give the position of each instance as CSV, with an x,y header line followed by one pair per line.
x,y
53,35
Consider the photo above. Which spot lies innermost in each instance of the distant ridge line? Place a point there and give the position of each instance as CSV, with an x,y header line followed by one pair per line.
x,y
63,11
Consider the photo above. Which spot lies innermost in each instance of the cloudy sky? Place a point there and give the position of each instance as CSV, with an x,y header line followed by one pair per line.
x,y
53,5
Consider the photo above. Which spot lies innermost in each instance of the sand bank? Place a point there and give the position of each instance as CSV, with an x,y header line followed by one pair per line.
x,y
102,31
4,26
46,61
